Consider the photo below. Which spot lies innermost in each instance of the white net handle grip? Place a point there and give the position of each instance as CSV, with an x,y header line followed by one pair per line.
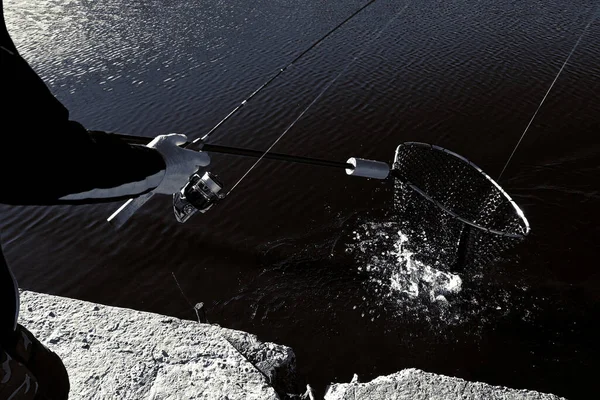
x,y
122,215
368,168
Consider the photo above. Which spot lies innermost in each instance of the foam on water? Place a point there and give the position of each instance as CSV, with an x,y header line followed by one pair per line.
x,y
393,272
404,289
399,284
414,278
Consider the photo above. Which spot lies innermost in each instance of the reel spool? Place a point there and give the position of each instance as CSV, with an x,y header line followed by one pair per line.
x,y
198,195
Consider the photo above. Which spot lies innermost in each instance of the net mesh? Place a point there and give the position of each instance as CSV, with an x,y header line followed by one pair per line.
x,y
455,215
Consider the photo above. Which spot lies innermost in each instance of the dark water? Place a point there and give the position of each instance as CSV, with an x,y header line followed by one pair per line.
x,y
279,257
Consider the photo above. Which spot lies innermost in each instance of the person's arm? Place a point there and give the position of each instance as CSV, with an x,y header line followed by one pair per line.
x,y
47,159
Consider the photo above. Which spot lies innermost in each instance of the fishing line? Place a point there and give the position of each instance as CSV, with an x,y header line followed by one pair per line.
x,y
281,71
329,84
195,308
594,16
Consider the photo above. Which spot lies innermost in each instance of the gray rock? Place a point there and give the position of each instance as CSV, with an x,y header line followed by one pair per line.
x,y
116,353
414,384
277,363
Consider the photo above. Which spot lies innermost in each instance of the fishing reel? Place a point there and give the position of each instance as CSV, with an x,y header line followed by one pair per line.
x,y
198,195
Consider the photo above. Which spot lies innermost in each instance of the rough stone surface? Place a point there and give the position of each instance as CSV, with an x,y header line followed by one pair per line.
x,y
116,353
414,384
276,362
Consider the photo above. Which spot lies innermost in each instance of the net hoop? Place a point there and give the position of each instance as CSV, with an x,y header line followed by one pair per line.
x,y
518,211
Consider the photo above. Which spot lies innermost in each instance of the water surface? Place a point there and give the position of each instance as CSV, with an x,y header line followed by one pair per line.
x,y
281,257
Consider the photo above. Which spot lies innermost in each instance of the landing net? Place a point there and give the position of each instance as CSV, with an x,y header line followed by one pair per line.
x,y
455,215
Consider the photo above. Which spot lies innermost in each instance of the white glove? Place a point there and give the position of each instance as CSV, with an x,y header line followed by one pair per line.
x,y
181,163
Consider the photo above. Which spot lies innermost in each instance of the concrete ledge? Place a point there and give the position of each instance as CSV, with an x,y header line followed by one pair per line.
x,y
414,384
116,353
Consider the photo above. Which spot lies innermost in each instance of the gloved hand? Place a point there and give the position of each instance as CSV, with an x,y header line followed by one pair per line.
x,y
181,163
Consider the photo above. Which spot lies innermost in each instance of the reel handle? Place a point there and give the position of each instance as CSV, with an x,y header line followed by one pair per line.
x,y
122,215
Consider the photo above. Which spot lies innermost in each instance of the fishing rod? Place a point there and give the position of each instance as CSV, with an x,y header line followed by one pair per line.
x,y
208,184
203,189
238,151
281,71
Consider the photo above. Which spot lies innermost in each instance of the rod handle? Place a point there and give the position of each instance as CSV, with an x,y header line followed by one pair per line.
x,y
126,211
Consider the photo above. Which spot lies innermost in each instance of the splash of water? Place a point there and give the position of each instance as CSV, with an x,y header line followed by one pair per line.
x,y
402,286
415,279
396,277
392,267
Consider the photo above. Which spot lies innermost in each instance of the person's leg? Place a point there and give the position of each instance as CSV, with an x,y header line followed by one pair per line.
x,y
25,363
45,365
17,382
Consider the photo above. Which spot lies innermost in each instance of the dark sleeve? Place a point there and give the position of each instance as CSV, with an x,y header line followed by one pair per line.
x,y
44,156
